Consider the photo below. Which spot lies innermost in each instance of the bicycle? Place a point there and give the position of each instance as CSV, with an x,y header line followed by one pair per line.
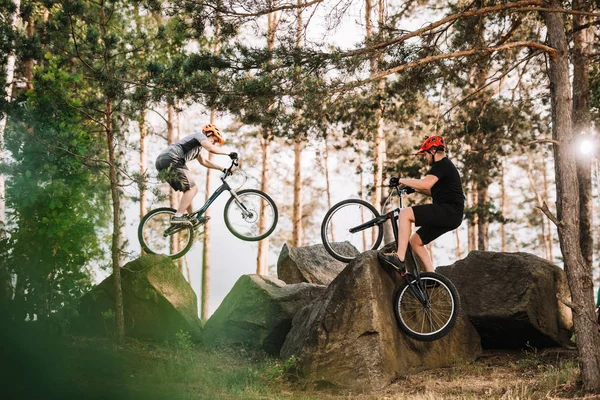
x,y
242,214
426,304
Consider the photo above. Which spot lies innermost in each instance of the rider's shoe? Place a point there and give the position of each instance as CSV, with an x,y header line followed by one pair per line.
x,y
183,220
392,260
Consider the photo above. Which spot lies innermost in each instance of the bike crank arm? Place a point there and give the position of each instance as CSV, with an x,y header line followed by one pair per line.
x,y
379,220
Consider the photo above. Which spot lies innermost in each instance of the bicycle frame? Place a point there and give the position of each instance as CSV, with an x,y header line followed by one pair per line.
x,y
223,188
393,217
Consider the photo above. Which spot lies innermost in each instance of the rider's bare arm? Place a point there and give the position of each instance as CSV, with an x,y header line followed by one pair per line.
x,y
422,185
209,164
207,144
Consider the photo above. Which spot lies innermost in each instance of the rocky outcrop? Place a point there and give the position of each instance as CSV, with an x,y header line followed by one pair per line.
x,y
512,299
311,264
157,300
349,336
258,312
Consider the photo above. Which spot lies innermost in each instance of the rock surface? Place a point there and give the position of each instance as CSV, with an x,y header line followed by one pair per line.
x,y
349,336
511,299
158,302
310,264
258,312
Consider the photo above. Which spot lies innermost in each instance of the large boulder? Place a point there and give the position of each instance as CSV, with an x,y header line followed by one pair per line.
x,y
157,300
349,337
257,313
512,299
312,264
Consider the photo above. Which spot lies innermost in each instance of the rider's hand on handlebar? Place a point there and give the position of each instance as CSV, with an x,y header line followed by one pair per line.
x,y
233,156
394,181
408,190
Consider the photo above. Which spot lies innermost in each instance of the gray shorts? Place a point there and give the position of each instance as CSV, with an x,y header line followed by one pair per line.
x,y
172,169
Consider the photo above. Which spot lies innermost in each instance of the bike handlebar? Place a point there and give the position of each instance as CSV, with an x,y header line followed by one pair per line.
x,y
395,183
228,171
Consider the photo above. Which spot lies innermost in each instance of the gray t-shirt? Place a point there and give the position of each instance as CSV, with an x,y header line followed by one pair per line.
x,y
189,147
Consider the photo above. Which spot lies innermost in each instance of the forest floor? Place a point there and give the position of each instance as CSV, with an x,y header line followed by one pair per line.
x,y
100,369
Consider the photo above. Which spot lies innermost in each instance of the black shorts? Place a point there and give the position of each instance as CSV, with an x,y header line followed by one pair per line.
x,y
173,170
436,219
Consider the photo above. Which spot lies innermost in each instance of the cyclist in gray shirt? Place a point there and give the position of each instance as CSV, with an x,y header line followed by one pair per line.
x,y
171,166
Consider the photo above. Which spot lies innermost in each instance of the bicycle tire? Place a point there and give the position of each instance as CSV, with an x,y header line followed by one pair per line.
x,y
448,293
151,248
328,222
254,218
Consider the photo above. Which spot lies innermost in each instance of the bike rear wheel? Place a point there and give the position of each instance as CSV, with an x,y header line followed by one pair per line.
x,y
340,219
437,317
252,216
158,236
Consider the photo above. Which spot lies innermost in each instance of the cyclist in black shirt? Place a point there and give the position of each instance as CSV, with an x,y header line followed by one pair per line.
x,y
444,185
171,166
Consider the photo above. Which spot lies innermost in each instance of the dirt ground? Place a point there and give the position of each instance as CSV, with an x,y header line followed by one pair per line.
x,y
506,375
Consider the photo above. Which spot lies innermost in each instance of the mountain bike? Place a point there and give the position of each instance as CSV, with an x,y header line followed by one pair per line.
x,y
242,215
426,304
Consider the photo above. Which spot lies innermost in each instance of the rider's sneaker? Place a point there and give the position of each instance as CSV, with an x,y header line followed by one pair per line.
x,y
183,220
392,260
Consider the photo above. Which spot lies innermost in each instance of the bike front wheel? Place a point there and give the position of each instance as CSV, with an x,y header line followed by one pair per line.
x,y
338,222
252,215
158,236
432,319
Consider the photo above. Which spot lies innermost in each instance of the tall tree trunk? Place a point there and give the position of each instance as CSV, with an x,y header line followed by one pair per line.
x,y
472,222
540,200
143,163
379,138
297,206
173,195
206,241
549,237
579,273
116,236
582,47
10,71
503,206
482,220
458,246
328,185
297,231
262,256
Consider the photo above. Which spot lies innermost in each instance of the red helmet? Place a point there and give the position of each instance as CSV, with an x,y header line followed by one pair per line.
x,y
433,141
211,130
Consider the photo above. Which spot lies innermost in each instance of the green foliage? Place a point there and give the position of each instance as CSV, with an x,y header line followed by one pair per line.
x,y
56,199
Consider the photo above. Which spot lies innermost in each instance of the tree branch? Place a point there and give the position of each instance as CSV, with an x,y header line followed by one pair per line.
x,y
544,208
464,14
225,11
438,57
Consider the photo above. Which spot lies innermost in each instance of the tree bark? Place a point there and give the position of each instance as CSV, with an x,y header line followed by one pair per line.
x,y
262,257
482,220
143,163
579,273
10,71
503,207
297,231
116,236
582,47
472,222
173,195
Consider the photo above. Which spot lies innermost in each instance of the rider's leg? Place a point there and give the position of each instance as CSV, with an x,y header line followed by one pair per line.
x,y
421,251
186,200
405,221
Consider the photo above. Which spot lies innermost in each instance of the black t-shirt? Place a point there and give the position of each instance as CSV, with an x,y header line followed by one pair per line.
x,y
448,189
